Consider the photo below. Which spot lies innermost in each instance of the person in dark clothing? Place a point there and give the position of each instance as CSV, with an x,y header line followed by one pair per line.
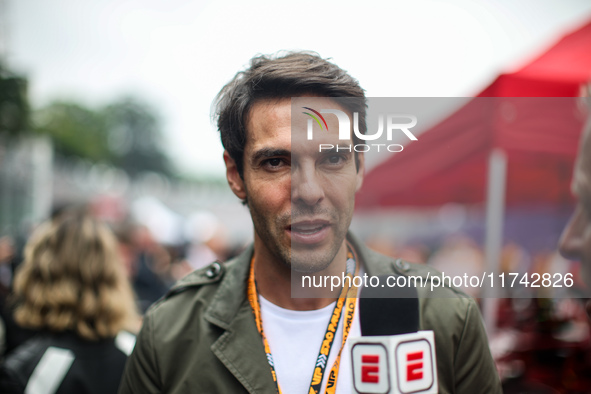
x,y
72,288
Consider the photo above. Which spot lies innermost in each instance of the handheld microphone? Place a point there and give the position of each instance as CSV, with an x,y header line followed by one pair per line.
x,y
392,356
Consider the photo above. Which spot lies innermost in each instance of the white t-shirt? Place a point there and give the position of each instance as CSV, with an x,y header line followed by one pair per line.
x,y
295,338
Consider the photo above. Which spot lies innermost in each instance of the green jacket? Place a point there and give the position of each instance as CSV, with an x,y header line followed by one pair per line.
x,y
202,337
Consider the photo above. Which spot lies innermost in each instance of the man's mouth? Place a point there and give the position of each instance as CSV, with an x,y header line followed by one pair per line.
x,y
308,231
307,228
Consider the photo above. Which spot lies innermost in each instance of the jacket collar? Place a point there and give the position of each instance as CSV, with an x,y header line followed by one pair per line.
x,y
239,348
231,293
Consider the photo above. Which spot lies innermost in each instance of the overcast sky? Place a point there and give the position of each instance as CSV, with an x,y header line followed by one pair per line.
x,y
177,54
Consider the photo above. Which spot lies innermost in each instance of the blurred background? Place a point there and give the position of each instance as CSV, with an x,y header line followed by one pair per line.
x,y
106,103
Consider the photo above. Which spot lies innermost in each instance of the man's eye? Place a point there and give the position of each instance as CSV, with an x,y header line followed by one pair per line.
x,y
274,162
335,159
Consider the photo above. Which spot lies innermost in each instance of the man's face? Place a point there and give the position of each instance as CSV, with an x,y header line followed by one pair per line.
x,y
301,200
575,242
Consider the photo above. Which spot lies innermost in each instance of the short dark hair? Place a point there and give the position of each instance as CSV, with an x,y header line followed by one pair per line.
x,y
282,75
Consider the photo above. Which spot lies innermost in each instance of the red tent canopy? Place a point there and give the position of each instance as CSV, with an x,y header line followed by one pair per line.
x,y
527,114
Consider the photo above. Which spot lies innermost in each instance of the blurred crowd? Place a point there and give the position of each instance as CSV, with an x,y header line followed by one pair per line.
x,y
81,282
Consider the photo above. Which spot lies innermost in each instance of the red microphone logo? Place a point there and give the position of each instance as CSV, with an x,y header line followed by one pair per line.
x,y
370,368
395,364
415,366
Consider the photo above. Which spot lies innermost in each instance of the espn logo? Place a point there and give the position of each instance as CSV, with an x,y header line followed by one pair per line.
x,y
414,369
370,368
414,366
402,364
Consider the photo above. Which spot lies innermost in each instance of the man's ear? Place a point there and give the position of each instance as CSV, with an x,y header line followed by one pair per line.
x,y
360,170
234,180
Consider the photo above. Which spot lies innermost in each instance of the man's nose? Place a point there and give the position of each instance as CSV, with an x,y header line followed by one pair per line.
x,y
571,240
306,186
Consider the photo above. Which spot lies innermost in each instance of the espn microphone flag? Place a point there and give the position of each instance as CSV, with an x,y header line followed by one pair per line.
x,y
392,356
400,364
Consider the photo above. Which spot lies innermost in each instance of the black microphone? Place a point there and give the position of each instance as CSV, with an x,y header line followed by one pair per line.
x,y
392,355
388,310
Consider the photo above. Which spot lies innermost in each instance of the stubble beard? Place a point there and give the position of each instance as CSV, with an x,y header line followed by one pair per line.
x,y
305,259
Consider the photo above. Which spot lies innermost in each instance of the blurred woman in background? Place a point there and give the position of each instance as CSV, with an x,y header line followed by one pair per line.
x,y
72,289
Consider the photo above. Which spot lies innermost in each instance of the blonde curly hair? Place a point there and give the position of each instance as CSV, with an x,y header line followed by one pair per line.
x,y
72,279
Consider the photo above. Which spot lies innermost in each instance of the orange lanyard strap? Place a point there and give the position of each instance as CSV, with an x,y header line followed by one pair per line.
x,y
347,298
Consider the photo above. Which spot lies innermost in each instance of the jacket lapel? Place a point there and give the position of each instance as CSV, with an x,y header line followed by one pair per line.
x,y
240,347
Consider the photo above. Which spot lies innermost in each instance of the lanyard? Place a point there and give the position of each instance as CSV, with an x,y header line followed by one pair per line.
x,y
347,299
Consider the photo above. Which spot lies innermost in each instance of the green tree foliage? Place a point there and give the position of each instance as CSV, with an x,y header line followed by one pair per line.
x,y
135,139
14,105
75,130
125,133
